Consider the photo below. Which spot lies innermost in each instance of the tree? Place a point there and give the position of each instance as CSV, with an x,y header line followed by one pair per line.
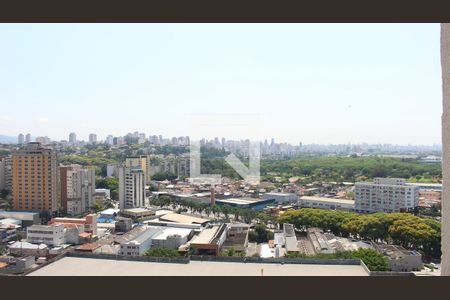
x,y
162,252
260,234
96,206
399,228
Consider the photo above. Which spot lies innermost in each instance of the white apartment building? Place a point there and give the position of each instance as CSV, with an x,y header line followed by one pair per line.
x,y
77,189
131,187
52,235
385,195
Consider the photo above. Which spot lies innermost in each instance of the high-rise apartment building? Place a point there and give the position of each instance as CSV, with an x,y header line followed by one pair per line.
x,y
110,140
142,162
131,187
35,185
92,138
6,173
72,138
28,138
21,138
385,195
77,189
2,173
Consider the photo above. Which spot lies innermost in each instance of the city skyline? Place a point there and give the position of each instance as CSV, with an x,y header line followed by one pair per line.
x,y
333,84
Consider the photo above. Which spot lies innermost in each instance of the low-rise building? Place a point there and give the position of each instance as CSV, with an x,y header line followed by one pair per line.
x,y
319,241
27,218
137,241
254,203
172,237
123,224
89,223
210,240
281,198
28,249
401,259
138,213
326,203
52,235
237,237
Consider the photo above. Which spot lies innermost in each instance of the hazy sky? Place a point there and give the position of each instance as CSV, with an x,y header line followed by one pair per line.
x,y
314,83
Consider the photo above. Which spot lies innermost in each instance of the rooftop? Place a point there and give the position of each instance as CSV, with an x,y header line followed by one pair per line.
x,y
74,266
329,200
179,218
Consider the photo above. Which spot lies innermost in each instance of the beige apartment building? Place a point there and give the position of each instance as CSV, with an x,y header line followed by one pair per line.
x,y
35,178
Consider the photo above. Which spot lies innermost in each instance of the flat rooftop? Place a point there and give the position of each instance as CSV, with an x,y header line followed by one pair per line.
x,y
179,218
74,266
241,200
327,200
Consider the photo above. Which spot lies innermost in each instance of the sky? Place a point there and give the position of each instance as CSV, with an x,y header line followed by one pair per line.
x,y
309,83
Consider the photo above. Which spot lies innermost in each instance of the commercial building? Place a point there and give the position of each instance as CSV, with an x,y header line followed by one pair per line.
x,y
385,195
28,249
326,203
172,237
319,241
52,235
35,177
77,189
137,241
28,138
281,198
26,218
401,259
254,203
183,219
210,240
131,187
138,213
72,138
92,138
88,224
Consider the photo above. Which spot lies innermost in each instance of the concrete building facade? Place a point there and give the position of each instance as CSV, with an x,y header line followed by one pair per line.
x,y
35,180
52,235
385,195
131,187
77,189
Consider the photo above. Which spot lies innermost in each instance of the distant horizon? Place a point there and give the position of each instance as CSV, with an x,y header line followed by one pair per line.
x,y
100,139
309,83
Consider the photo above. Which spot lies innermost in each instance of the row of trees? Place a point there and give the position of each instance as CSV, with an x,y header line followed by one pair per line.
x,y
246,215
352,168
404,229
374,260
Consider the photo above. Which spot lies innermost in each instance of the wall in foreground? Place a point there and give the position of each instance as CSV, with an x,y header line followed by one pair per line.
x,y
445,63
